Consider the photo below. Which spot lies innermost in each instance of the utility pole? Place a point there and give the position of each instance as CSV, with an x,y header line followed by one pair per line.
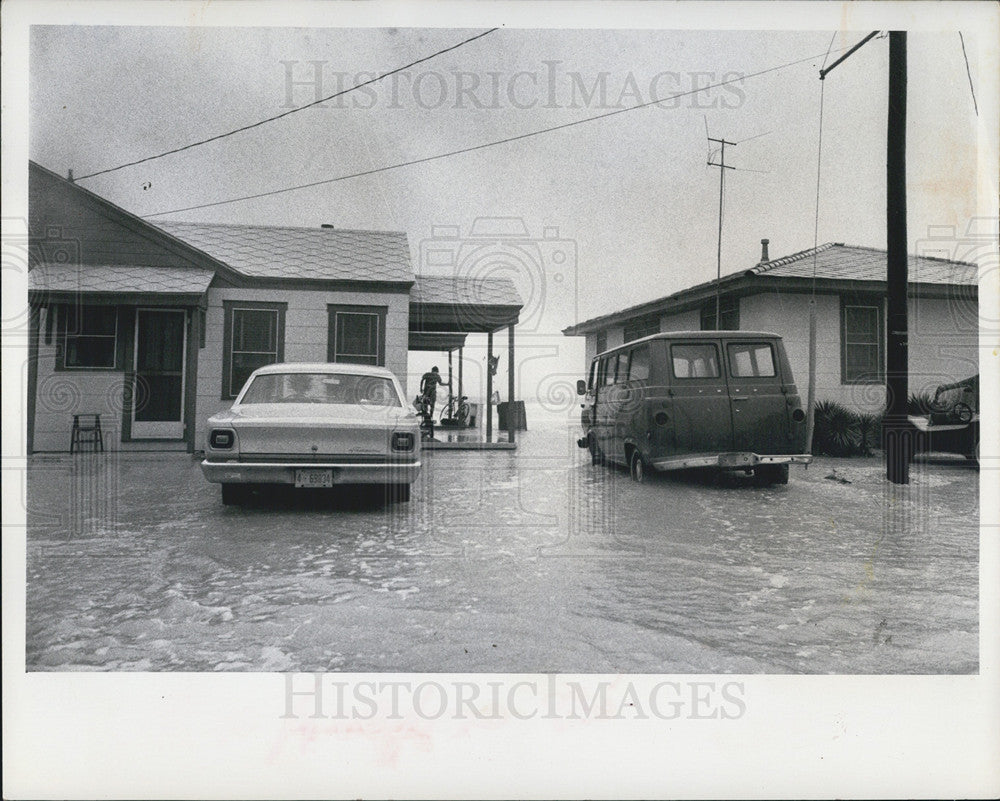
x,y
722,182
897,434
899,439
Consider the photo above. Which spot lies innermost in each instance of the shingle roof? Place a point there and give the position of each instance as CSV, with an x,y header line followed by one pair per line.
x,y
314,253
53,277
834,260
459,291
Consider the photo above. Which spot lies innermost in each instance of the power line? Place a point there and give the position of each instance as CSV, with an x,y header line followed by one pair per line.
x,y
481,146
291,111
969,73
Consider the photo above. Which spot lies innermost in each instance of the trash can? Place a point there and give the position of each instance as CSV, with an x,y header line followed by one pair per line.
x,y
516,410
473,414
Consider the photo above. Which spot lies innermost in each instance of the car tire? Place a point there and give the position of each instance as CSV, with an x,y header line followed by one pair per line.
x,y
399,493
768,474
637,467
233,494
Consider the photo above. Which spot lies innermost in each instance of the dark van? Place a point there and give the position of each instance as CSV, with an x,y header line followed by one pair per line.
x,y
685,399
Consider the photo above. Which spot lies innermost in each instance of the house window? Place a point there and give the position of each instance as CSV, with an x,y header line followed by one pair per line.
x,y
254,336
637,329
356,335
88,337
861,352
601,342
729,311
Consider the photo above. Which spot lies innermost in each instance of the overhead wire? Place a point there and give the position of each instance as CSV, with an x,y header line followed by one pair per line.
x,y
482,145
295,110
969,73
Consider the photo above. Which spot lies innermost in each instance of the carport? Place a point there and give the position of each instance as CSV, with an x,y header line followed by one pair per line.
x,y
444,310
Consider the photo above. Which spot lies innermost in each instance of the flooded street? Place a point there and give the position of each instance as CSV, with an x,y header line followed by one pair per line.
x,y
525,561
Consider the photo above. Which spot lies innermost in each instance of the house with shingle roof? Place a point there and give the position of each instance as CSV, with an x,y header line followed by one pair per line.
x,y
155,325
848,284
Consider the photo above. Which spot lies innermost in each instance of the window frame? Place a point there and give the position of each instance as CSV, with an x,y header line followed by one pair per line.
x,y
878,305
230,307
62,335
728,305
379,312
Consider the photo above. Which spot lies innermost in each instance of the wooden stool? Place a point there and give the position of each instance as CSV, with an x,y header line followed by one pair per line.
x,y
86,430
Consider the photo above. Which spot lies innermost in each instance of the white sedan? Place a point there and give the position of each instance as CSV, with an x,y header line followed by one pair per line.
x,y
314,426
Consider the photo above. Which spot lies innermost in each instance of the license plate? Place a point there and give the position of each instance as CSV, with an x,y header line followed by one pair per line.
x,y
314,478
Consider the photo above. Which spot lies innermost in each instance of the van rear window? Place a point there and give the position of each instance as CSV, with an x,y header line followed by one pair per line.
x,y
751,360
695,361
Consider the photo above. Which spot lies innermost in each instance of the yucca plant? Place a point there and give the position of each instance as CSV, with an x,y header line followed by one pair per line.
x,y
869,433
920,403
835,429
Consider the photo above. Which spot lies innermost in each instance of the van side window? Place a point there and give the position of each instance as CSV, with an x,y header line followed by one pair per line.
x,y
621,375
592,377
751,360
639,365
695,361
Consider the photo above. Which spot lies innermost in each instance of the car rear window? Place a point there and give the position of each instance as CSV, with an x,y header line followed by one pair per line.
x,y
695,361
751,360
328,388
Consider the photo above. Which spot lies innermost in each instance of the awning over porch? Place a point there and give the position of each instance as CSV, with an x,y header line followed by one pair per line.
x,y
117,284
436,341
458,304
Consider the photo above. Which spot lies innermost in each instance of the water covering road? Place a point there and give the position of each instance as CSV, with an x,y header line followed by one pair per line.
x,y
525,561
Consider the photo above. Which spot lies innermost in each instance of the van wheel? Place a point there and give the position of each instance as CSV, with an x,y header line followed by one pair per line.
x,y
596,457
637,467
767,474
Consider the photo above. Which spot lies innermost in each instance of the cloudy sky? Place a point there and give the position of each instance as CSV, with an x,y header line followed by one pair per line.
x,y
630,197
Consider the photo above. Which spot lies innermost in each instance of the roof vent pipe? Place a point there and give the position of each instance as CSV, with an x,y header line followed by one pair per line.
x,y
763,251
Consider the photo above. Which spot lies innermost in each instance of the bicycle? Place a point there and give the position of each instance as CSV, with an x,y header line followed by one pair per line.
x,y
456,412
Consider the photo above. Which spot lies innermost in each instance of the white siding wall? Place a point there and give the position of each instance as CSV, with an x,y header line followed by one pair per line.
x,y
306,329
943,346
61,394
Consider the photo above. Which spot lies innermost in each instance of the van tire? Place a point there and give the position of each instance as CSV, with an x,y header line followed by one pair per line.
x,y
767,474
596,457
637,467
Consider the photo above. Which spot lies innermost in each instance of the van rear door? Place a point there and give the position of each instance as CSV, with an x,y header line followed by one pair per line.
x,y
760,419
702,409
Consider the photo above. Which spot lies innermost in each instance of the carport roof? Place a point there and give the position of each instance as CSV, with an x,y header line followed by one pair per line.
x,y
462,304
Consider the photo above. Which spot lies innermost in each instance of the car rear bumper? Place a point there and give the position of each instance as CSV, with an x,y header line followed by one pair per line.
x,y
728,461
233,472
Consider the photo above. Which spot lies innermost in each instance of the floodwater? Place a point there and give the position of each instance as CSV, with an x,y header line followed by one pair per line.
x,y
526,561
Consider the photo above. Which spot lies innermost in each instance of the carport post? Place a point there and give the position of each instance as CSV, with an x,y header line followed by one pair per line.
x,y
450,390
489,387
460,375
510,384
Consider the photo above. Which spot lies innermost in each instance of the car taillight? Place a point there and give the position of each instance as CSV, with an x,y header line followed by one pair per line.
x,y
798,415
222,439
402,441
